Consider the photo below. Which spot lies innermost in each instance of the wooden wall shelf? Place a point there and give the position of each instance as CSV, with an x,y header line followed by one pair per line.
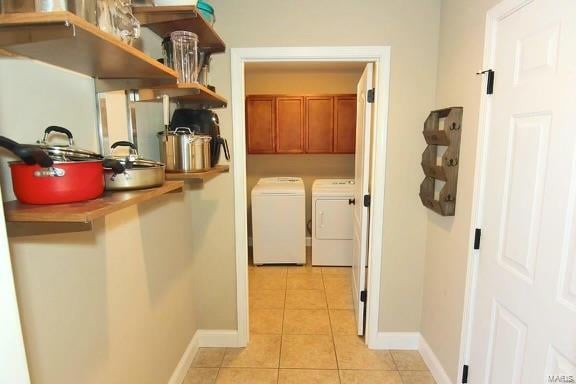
x,y
186,94
86,211
164,20
68,41
199,176
447,170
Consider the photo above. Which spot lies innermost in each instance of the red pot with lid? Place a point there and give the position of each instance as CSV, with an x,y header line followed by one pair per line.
x,y
56,174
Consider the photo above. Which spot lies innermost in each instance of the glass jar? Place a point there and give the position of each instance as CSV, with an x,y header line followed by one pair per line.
x,y
115,17
185,55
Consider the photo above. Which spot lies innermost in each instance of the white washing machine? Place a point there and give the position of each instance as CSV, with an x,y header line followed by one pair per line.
x,y
332,216
279,221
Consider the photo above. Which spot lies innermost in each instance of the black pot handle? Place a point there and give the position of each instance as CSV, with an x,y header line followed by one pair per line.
x,y
32,155
113,164
56,128
226,149
123,143
27,153
7,143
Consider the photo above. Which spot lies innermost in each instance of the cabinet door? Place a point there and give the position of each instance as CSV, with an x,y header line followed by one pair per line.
x,y
260,133
289,124
319,124
345,124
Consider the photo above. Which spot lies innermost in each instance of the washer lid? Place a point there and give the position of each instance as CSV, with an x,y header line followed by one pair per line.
x,y
279,186
333,187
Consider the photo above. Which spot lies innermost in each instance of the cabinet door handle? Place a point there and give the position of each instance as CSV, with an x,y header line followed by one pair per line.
x,y
351,201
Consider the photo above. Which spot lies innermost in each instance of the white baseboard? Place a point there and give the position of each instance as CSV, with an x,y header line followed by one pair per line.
x,y
433,363
186,361
396,340
202,338
308,241
218,338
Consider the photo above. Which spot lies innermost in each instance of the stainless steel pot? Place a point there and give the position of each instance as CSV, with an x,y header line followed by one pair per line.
x,y
138,174
183,151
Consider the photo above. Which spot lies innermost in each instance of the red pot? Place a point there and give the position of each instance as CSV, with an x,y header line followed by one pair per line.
x,y
64,182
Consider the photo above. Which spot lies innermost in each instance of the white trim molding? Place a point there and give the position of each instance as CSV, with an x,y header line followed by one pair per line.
x,y
185,362
397,340
202,338
13,363
434,365
380,56
218,338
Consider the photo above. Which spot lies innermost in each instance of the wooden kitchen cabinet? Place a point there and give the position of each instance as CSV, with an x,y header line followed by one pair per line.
x,y
290,128
345,124
301,124
261,124
319,124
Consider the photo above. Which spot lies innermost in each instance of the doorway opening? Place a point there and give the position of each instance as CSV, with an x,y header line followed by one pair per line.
x,y
272,118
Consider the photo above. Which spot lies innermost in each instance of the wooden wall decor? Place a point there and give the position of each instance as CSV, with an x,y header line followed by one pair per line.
x,y
441,135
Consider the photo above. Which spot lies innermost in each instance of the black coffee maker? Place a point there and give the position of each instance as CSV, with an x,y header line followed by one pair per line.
x,y
202,122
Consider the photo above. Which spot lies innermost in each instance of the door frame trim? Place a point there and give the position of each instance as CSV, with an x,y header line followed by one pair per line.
x,y
380,56
493,16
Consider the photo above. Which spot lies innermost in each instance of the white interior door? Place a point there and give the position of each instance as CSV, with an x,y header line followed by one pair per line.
x,y
524,328
362,172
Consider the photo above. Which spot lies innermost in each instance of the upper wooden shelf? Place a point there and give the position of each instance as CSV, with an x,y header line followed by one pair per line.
x,y
199,176
86,211
184,93
164,20
68,41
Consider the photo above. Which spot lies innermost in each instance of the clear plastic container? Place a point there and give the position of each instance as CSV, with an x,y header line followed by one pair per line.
x,y
185,55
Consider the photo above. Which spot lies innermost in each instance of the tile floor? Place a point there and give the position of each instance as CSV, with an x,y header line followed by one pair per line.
x,y
302,331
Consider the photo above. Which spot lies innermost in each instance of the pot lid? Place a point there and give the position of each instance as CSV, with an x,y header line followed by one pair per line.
x,y
66,152
133,159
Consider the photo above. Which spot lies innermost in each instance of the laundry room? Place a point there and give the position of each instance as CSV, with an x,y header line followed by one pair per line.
x,y
300,172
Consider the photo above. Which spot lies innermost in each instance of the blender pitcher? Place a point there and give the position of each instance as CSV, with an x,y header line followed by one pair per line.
x,y
185,55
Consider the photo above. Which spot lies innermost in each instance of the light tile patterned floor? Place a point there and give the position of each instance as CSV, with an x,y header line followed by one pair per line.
x,y
303,332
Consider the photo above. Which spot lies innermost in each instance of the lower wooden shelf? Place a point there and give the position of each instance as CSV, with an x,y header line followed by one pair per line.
x,y
201,176
192,93
86,211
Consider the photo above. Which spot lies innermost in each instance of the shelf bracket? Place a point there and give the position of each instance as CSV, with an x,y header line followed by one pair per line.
x,y
131,98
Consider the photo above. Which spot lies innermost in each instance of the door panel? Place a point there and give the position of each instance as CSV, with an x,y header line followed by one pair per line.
x,y
524,329
345,124
260,130
319,124
333,219
289,124
360,216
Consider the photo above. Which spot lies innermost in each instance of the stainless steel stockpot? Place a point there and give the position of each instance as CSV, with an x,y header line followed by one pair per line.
x,y
184,151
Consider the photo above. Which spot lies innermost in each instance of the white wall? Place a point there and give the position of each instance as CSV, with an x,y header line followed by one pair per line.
x,y
447,247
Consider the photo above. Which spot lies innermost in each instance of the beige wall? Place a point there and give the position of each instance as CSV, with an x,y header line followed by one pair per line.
x,y
112,305
411,29
447,247
309,167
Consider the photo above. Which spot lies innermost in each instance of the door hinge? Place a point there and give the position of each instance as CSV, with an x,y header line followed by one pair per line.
x,y
489,81
477,236
371,94
363,296
367,201
465,374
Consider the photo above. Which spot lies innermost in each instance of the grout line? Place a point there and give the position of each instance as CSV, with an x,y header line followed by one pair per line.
x,y
282,328
331,330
